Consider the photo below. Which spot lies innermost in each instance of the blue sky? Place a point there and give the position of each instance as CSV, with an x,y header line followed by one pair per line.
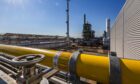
x,y
48,16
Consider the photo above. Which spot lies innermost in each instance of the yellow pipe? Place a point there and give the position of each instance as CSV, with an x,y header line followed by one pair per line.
x,y
88,66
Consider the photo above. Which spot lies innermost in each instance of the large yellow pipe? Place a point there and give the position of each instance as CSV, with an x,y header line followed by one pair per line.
x,y
88,66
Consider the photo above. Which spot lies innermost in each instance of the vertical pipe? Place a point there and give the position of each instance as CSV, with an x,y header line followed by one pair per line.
x,y
84,18
108,27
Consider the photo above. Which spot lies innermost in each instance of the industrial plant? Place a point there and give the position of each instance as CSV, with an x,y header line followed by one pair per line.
x,y
33,40
112,58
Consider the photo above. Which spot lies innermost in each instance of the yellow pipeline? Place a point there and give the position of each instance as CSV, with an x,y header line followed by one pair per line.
x,y
88,66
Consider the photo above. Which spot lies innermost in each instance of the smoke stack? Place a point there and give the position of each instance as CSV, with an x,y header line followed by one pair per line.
x,y
84,18
108,27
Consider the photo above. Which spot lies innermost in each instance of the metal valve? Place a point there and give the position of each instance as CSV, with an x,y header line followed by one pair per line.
x,y
28,69
27,60
25,69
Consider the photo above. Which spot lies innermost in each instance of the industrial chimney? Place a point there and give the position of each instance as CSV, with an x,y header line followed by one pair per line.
x,y
84,18
108,27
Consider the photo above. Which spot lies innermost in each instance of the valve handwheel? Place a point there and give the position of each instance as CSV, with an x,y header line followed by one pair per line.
x,y
29,59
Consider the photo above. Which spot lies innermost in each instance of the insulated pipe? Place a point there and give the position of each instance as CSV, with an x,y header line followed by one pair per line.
x,y
88,66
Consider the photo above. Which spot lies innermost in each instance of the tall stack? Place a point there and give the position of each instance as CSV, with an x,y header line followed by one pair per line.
x,y
106,35
108,27
67,22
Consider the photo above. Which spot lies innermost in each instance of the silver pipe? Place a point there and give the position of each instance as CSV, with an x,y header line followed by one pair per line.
x,y
21,63
40,75
8,65
7,56
7,70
